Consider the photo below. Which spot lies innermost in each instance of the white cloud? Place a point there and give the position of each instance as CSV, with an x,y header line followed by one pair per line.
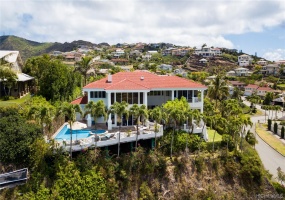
x,y
184,22
275,55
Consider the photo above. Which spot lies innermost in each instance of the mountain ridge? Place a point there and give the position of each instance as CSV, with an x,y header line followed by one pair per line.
x,y
29,48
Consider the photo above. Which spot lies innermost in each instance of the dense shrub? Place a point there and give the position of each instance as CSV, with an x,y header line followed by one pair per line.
x,y
275,128
227,142
282,132
269,123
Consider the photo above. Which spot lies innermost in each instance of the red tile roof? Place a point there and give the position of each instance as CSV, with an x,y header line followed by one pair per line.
x,y
81,100
143,80
252,86
265,89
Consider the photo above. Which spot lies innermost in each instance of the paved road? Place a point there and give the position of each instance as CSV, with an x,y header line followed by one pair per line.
x,y
269,157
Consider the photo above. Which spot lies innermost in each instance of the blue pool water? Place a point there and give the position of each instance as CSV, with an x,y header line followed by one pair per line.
x,y
76,134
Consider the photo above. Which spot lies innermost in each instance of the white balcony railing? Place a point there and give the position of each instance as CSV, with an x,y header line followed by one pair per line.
x,y
145,132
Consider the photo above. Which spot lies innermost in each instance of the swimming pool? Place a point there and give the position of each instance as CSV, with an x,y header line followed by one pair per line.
x,y
64,133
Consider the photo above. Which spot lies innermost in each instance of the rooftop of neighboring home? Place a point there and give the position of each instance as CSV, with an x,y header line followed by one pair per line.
x,y
237,83
252,86
142,80
80,100
265,89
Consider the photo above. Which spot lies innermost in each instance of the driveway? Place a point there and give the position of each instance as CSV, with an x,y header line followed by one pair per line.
x,y
269,157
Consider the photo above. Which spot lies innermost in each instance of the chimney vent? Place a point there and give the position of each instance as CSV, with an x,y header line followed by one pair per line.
x,y
109,78
142,77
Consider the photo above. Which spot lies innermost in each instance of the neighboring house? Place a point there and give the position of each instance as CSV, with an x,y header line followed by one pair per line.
x,y
72,56
24,82
146,57
271,69
203,61
142,88
152,52
280,62
262,62
118,53
279,101
180,52
119,61
239,72
261,91
238,84
139,47
135,53
244,60
165,67
168,51
208,52
250,89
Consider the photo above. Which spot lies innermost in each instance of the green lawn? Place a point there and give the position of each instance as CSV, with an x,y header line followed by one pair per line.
x,y
270,139
15,101
218,137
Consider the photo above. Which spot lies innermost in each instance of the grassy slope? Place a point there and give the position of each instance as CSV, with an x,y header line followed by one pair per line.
x,y
15,101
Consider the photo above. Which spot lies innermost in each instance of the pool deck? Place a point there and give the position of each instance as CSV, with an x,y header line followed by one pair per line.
x,y
128,134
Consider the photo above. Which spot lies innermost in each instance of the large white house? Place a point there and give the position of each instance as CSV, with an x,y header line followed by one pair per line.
x,y
208,51
244,60
140,87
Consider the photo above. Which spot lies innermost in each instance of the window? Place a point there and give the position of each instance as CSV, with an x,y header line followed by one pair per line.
x,y
135,98
130,98
141,98
118,97
112,98
125,97
98,94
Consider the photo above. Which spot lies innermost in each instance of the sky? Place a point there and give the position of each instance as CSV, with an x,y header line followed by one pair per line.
x,y
253,26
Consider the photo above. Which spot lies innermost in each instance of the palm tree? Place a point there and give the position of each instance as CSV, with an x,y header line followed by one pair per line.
x,y
69,111
43,115
156,114
96,110
246,122
218,90
83,66
119,109
139,113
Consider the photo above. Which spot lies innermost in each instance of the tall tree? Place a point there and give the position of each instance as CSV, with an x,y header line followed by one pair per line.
x,y
96,110
43,115
69,111
83,66
218,90
176,113
139,113
119,109
156,114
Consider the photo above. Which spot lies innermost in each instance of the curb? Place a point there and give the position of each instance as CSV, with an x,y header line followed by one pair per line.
x,y
269,145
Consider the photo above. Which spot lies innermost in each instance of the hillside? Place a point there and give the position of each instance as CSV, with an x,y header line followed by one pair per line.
x,y
30,48
220,61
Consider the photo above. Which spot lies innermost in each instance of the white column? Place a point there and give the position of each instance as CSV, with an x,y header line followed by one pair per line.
x,y
202,101
172,95
145,98
89,120
108,106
